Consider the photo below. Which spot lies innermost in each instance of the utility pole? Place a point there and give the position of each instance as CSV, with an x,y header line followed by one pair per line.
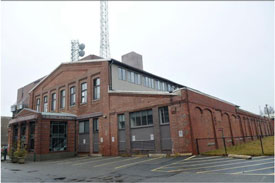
x,y
104,30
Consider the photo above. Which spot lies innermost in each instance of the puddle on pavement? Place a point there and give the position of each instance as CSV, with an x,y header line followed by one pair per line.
x,y
60,178
15,170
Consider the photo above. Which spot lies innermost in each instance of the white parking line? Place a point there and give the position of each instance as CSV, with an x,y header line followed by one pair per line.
x,y
213,166
130,164
108,163
254,170
102,159
157,169
193,161
65,160
81,160
234,167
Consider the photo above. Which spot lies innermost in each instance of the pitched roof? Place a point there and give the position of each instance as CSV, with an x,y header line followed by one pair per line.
x,y
91,57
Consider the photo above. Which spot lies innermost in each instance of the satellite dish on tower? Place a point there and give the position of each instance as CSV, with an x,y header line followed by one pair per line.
x,y
77,50
81,53
82,46
81,50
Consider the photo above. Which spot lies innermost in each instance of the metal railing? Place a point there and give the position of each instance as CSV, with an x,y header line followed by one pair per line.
x,y
208,144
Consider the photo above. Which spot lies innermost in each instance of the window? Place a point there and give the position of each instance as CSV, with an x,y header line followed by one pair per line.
x,y
152,84
38,104
22,135
45,109
95,125
96,89
121,74
58,136
161,86
129,76
141,118
62,99
158,85
169,87
121,121
84,127
146,82
15,136
32,133
53,102
164,86
138,79
163,115
72,96
132,77
149,82
84,93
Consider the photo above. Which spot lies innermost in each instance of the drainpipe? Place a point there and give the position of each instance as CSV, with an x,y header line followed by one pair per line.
x,y
75,153
190,120
110,75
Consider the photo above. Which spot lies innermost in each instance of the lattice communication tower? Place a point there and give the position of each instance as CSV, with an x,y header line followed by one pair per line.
x,y
104,30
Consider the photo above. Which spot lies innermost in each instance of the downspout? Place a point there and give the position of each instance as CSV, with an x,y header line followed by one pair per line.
x,y
75,153
110,75
231,131
190,120
110,88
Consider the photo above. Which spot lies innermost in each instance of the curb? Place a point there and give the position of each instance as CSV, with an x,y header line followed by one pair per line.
x,y
180,154
239,156
140,155
157,155
96,155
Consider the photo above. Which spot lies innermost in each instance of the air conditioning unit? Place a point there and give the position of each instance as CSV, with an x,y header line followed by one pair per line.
x,y
13,108
20,106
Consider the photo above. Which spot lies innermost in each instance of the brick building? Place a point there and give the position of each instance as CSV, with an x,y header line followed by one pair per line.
x,y
109,107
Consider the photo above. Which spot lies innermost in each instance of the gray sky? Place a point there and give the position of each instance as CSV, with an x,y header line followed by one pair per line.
x,y
225,49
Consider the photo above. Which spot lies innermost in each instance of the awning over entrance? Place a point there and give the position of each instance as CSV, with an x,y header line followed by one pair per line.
x,y
28,114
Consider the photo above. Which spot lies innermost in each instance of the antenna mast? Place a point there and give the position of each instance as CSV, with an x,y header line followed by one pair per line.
x,y
104,30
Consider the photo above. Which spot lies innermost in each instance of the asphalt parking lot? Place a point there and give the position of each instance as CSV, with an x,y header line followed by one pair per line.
x,y
143,169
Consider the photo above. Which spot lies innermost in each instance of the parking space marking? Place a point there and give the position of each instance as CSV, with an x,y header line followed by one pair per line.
x,y
213,166
234,167
65,160
191,163
254,170
157,169
81,160
194,159
211,159
129,164
102,159
108,163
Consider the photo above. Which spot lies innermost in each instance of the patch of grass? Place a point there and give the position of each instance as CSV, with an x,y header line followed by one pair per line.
x,y
252,148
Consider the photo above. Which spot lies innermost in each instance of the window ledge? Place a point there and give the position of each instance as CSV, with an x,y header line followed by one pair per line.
x,y
96,101
164,124
83,104
147,126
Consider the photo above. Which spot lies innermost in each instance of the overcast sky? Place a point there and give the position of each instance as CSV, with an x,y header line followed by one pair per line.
x,y
225,49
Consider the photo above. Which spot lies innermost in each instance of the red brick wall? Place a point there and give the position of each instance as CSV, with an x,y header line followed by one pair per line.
x,y
42,137
67,76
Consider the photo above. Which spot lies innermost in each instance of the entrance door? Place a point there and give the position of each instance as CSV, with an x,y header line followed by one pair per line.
x,y
95,135
84,140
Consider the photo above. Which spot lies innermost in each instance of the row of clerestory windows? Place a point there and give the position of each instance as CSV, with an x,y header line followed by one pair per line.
x,y
138,79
